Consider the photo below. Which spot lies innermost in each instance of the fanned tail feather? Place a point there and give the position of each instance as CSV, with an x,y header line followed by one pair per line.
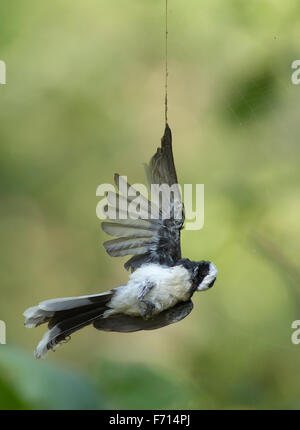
x,y
64,317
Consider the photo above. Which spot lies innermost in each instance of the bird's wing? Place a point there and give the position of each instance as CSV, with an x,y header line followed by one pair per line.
x,y
126,324
152,236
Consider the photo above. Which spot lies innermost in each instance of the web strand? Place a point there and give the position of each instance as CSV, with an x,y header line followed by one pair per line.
x,y
166,66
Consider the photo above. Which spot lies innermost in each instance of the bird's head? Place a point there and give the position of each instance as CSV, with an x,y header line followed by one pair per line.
x,y
204,275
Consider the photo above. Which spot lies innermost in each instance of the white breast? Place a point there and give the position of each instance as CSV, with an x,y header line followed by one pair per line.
x,y
172,284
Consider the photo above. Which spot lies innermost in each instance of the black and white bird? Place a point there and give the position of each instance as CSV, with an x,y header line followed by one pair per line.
x,y
161,284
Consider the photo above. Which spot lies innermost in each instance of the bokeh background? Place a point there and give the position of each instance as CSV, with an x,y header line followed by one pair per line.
x,y
83,100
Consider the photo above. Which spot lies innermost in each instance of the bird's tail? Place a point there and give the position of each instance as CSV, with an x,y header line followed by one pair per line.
x,y
64,317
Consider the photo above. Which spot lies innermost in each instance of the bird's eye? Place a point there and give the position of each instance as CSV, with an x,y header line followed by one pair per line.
x,y
211,284
207,283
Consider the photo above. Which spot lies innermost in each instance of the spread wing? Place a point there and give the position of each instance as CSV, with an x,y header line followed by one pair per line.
x,y
152,235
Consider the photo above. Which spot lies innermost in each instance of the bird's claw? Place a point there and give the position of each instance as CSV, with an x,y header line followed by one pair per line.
x,y
146,306
147,309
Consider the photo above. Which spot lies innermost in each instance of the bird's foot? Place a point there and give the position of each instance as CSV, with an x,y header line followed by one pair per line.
x,y
147,308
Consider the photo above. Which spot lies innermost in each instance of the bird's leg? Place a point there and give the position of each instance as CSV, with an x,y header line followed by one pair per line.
x,y
147,307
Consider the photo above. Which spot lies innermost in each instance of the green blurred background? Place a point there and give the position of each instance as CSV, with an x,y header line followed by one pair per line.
x,y
83,100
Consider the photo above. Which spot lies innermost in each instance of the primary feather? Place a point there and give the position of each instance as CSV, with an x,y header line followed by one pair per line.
x,y
147,239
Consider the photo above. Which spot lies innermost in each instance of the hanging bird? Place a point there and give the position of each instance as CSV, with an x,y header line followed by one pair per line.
x,y
161,284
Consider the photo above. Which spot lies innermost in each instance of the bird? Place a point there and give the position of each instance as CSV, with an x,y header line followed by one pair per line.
x,y
161,283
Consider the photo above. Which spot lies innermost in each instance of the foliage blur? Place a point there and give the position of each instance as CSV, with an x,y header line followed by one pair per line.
x,y
83,100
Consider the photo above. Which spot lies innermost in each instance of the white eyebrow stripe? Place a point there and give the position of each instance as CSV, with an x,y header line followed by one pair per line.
x,y
212,274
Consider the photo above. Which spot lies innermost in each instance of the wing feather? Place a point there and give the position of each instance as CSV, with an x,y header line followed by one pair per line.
x,y
146,238
120,230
